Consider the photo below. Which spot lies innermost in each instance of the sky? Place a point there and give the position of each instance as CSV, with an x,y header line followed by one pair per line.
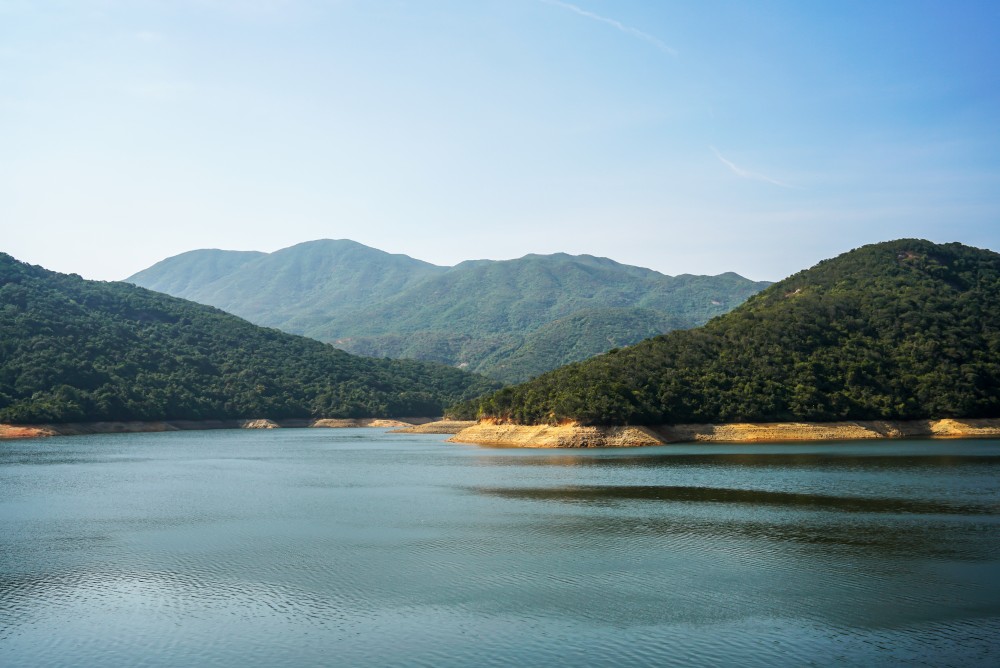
x,y
689,137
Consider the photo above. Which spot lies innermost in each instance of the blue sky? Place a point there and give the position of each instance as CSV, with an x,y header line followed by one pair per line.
x,y
690,137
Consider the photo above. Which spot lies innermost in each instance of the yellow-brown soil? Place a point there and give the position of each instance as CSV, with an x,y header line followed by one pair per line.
x,y
562,436
439,427
577,436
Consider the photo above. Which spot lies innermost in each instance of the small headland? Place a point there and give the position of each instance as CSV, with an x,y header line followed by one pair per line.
x,y
579,436
557,436
436,427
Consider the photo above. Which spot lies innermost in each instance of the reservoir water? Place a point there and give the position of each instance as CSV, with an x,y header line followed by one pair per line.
x,y
352,547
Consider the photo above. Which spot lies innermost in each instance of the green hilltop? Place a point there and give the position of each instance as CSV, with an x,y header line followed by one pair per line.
x,y
294,289
906,329
509,320
78,350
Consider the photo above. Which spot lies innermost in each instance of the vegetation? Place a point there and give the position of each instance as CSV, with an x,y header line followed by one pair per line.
x,y
295,289
510,320
577,337
900,330
75,350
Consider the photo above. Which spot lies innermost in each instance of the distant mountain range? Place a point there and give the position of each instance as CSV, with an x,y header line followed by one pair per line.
x,y
509,320
900,330
77,350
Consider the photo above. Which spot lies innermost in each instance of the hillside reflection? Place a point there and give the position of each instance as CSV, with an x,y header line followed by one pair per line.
x,y
860,526
749,460
799,500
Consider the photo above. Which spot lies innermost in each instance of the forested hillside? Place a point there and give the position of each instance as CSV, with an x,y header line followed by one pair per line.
x,y
295,289
903,330
493,317
77,350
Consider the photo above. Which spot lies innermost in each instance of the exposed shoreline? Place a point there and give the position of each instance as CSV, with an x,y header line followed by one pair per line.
x,y
10,431
561,436
577,436
436,427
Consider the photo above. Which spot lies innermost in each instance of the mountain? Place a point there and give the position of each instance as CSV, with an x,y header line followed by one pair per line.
x,y
906,329
77,350
183,275
293,289
580,336
492,317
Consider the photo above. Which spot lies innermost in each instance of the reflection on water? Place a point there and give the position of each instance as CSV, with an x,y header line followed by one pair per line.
x,y
353,547
867,537
723,459
755,497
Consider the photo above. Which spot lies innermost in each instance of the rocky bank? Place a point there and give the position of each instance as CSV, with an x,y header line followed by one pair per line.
x,y
437,427
577,436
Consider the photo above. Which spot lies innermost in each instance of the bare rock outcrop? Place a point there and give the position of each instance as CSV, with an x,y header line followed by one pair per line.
x,y
438,427
357,422
561,436
259,424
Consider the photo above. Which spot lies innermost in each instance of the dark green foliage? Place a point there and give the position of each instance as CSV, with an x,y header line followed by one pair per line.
x,y
73,350
900,330
510,320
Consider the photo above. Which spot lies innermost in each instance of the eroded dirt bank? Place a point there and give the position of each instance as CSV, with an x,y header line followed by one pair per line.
x,y
576,436
437,427
562,436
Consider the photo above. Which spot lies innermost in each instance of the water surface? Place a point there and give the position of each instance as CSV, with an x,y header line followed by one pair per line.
x,y
355,547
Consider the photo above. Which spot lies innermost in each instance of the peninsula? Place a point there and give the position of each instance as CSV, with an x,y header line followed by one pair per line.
x,y
893,339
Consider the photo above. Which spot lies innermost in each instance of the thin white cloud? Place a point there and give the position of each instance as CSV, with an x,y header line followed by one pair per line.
x,y
747,174
618,25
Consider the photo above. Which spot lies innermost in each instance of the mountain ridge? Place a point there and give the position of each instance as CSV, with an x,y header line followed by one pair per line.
x,y
470,315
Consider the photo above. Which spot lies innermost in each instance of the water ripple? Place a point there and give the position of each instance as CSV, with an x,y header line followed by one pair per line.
x,y
310,547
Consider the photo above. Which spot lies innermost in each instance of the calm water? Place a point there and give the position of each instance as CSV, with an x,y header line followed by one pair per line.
x,y
354,547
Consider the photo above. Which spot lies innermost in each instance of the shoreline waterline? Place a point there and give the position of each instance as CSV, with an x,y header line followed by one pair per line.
x,y
19,431
492,433
580,436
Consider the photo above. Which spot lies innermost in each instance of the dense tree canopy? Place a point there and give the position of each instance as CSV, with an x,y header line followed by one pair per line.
x,y
899,330
76,350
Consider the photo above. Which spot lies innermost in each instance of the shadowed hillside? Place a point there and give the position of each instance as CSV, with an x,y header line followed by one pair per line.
x,y
77,350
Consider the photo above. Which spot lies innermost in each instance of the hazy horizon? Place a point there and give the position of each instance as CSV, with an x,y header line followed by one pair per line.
x,y
686,138
469,259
